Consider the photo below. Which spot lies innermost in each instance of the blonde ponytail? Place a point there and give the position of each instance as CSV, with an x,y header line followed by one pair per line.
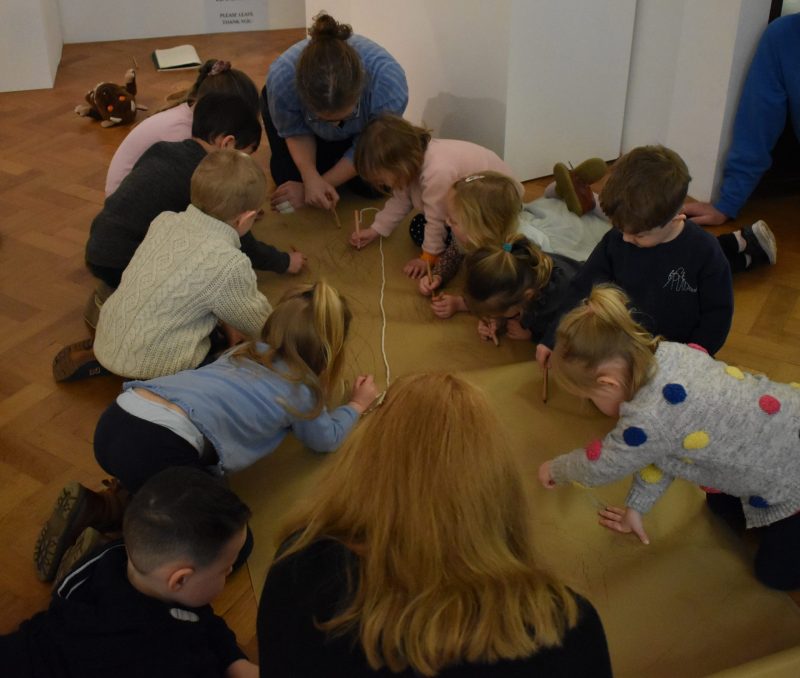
x,y
599,330
306,331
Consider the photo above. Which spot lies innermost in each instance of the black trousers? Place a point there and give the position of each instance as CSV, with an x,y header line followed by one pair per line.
x,y
133,450
730,248
777,562
281,164
110,276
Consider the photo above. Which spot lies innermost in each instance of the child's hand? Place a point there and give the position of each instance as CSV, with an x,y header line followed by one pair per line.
x,y
415,268
447,305
364,392
515,330
428,285
296,262
232,335
546,476
242,668
487,330
320,193
543,355
292,192
363,238
623,520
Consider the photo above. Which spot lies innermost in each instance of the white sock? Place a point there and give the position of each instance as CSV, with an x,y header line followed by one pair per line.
x,y
740,241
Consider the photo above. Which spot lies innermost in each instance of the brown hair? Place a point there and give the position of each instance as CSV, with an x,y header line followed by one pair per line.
x,y
216,75
329,75
487,206
502,276
645,189
306,331
428,494
228,183
390,143
599,330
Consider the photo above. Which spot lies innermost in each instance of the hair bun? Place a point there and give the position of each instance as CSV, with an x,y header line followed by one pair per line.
x,y
325,26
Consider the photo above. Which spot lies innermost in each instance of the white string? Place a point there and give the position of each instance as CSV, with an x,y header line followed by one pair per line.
x,y
383,309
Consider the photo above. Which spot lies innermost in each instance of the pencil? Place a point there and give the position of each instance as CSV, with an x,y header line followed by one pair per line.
x,y
336,216
544,384
357,219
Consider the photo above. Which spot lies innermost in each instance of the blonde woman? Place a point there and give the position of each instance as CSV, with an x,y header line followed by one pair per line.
x,y
413,556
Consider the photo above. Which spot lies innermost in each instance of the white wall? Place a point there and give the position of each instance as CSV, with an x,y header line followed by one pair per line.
x,y
94,20
30,44
688,62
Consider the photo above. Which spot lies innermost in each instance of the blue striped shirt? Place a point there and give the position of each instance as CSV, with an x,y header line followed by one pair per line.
x,y
385,90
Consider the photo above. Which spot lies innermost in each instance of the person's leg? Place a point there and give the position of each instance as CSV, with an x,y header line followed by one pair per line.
x,y
730,248
281,165
749,247
110,276
416,229
134,449
728,508
777,562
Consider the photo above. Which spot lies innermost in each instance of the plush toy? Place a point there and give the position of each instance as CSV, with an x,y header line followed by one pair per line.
x,y
573,185
112,104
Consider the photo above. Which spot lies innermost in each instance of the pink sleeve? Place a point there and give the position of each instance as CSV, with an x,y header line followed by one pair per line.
x,y
393,212
174,124
434,205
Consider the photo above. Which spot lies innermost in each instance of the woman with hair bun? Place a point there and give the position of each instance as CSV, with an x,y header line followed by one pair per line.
x,y
319,96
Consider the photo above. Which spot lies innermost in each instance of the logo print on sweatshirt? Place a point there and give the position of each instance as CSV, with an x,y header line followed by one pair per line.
x,y
676,281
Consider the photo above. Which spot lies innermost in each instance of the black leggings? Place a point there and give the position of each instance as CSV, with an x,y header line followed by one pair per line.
x,y
777,562
730,248
133,450
281,164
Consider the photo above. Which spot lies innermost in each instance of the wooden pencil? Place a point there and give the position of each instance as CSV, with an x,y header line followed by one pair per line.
x,y
544,384
357,219
336,217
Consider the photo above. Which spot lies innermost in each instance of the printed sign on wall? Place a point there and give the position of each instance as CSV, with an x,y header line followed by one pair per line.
x,y
235,15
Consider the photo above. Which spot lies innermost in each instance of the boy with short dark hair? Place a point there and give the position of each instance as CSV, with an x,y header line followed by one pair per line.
x,y
141,607
674,272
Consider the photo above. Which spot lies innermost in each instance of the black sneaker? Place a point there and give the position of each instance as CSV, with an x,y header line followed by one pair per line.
x,y
761,245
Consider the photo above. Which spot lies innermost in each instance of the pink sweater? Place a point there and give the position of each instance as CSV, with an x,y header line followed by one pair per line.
x,y
446,161
174,124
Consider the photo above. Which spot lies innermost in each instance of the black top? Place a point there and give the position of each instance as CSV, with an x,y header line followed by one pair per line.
x,y
159,182
99,626
682,289
312,584
539,315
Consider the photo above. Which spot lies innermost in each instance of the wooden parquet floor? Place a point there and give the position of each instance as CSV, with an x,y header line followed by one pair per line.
x,y
52,172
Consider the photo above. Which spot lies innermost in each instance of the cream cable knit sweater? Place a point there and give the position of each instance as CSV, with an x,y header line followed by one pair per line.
x,y
187,274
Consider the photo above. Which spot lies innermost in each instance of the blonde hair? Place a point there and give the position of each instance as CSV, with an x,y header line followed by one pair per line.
x,y
487,206
645,189
329,74
228,183
599,330
390,143
429,496
306,331
500,276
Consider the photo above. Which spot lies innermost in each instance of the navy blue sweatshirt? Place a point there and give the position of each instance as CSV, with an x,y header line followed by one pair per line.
x,y
681,289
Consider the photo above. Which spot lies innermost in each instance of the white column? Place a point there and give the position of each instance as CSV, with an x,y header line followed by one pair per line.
x,y
30,44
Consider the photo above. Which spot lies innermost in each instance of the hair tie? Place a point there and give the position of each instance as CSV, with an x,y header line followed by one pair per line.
x,y
473,177
220,67
507,246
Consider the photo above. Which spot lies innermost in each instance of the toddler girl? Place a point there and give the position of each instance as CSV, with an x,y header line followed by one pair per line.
x,y
175,123
419,171
516,288
484,209
222,417
682,414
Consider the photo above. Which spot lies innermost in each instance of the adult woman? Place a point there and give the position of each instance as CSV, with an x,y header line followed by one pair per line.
x,y
414,556
319,95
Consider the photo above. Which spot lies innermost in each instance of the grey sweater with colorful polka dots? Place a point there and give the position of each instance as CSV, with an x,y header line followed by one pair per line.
x,y
708,423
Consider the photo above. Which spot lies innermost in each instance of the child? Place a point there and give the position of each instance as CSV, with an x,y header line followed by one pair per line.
x,y
685,415
142,607
160,182
419,171
516,288
414,556
486,208
187,275
175,123
224,416
675,273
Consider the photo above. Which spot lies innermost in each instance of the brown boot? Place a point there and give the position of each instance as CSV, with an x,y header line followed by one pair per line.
x,y
76,509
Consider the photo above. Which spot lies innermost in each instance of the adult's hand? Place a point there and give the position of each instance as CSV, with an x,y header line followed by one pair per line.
x,y
704,214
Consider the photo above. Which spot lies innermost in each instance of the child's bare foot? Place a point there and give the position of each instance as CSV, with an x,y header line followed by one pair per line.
x,y
77,361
